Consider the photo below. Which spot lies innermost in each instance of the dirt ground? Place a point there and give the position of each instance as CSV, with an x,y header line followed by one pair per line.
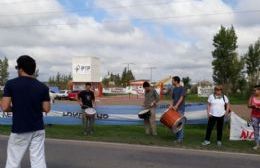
x,y
242,110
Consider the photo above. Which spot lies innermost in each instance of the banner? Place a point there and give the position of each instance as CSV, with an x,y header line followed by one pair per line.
x,y
240,129
205,91
70,114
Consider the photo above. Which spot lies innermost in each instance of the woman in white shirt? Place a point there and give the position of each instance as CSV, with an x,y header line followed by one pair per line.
x,y
218,107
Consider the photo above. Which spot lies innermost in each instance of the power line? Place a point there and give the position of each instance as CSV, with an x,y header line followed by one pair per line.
x,y
189,16
15,2
74,10
26,1
85,9
138,19
36,1
128,65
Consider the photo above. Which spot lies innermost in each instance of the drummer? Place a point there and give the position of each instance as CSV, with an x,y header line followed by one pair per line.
x,y
178,104
86,99
150,101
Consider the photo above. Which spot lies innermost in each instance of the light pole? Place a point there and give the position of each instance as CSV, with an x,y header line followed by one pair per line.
x,y
151,73
128,65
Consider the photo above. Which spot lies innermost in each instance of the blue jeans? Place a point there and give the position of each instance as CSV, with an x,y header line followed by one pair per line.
x,y
180,134
256,122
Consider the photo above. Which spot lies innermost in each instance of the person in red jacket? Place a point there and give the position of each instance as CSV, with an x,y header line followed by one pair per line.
x,y
254,104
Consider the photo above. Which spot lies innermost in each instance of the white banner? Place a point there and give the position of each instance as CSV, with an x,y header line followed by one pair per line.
x,y
239,129
205,91
115,90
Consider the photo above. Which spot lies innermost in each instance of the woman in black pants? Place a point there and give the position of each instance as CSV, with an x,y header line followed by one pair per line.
x,y
218,107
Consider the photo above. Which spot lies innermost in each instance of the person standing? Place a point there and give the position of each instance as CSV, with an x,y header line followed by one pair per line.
x,y
151,98
86,99
218,107
27,98
254,104
178,103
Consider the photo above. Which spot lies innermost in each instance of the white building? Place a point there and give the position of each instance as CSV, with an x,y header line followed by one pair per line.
x,y
85,69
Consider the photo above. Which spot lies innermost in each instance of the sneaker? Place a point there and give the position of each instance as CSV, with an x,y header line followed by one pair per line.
x,y
256,147
205,143
219,143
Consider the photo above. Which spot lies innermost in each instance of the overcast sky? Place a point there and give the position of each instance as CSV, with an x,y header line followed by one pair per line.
x,y
175,36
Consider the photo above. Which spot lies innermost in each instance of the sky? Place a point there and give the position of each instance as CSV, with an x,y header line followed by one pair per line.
x,y
173,36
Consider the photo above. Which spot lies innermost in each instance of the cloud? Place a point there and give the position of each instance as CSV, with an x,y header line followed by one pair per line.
x,y
121,38
251,18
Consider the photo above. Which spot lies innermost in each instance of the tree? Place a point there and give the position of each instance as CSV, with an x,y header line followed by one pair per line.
x,y
60,80
130,75
105,82
252,61
4,74
112,78
227,67
124,78
118,80
127,76
186,81
115,79
237,76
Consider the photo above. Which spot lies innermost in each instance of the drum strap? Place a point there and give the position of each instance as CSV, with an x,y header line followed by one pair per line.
x,y
85,107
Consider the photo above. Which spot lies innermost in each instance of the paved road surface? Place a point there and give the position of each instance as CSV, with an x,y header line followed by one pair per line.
x,y
78,154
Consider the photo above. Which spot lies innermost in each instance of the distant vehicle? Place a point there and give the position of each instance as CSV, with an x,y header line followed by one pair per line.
x,y
53,95
73,95
54,89
63,94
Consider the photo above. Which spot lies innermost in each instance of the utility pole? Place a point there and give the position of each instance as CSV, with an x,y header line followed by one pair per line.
x,y
151,73
128,65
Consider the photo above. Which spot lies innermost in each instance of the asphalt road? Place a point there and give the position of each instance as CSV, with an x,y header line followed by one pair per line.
x,y
79,154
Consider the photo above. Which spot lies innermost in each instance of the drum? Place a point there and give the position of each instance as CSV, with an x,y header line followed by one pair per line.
x,y
145,114
90,112
173,120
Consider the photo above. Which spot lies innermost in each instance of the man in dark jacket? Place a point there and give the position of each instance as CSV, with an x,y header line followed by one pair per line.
x,y
27,98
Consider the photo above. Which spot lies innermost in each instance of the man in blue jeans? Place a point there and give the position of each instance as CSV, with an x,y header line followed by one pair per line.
x,y
27,98
178,104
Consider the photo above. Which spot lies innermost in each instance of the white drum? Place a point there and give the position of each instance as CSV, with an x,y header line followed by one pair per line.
x,y
90,112
144,114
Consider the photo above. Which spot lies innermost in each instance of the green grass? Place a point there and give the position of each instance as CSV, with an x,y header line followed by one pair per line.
x,y
238,99
193,98
135,135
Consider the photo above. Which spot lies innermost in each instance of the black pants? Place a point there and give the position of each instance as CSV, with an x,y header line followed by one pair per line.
x,y
211,123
